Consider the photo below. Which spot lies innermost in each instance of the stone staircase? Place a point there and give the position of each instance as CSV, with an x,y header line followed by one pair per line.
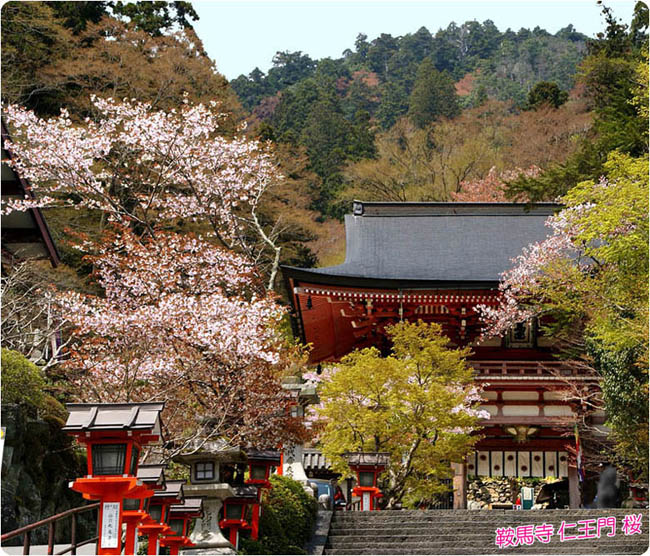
x,y
474,532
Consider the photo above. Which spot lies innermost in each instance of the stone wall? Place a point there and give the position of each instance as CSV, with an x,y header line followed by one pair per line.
x,y
482,492
38,462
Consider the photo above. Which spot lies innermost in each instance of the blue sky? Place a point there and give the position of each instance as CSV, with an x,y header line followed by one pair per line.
x,y
240,35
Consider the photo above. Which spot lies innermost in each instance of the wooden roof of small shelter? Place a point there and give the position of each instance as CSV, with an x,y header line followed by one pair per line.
x,y
24,235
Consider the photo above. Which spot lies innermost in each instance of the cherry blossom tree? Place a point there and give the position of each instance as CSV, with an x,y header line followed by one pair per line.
x,y
587,283
491,188
181,314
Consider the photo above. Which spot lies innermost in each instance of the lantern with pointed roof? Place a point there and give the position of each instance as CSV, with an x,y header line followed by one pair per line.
x,y
260,464
214,466
158,511
238,511
114,435
180,516
135,509
368,466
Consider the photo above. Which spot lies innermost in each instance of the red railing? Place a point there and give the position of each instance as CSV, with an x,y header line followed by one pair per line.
x,y
51,524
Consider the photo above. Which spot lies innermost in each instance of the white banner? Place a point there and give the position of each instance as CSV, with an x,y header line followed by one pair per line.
x,y
110,524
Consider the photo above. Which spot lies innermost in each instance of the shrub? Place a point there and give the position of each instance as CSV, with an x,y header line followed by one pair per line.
x,y
288,517
22,382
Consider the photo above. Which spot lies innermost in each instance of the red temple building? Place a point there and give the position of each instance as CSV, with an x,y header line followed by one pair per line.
x,y
437,262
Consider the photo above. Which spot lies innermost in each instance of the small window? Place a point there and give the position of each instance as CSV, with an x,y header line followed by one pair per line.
x,y
366,478
204,471
177,526
131,504
155,512
258,472
233,511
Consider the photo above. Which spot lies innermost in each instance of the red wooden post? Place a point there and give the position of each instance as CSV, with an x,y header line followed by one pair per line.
x,y
153,543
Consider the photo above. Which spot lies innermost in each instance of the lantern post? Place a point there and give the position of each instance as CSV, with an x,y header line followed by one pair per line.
x,y
135,510
180,516
114,435
260,465
368,466
159,504
235,508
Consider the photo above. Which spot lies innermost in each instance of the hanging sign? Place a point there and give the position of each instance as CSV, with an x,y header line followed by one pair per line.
x,y
110,524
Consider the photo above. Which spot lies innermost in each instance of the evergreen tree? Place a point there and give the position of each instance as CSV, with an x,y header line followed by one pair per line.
x,y
433,96
545,93
394,103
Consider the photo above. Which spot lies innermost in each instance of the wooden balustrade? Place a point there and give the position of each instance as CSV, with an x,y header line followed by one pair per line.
x,y
525,368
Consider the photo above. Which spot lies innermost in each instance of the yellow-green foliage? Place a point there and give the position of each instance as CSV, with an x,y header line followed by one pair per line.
x,y
22,382
408,404
615,231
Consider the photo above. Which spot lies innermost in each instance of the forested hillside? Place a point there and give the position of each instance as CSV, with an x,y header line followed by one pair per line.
x,y
469,112
336,108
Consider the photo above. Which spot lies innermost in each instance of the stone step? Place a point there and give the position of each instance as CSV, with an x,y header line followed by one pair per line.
x,y
614,511
460,525
428,527
472,532
478,546
626,549
477,519
470,537
442,515
448,529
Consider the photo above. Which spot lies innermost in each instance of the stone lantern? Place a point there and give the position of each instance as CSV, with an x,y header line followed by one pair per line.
x,y
238,511
214,467
368,466
292,454
180,516
114,435
136,509
158,511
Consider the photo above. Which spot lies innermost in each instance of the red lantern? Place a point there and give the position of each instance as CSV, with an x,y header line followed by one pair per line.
x,y
180,516
259,471
235,510
368,466
135,510
114,435
158,513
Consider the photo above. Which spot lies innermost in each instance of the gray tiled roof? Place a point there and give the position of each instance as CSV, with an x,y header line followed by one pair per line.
x,y
189,505
313,460
114,416
438,241
173,489
245,491
151,473
265,455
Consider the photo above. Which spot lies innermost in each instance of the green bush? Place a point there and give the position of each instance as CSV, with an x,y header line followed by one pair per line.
x,y
288,517
22,382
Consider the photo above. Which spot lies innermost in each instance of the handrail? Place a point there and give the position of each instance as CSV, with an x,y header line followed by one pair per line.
x,y
84,543
51,521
